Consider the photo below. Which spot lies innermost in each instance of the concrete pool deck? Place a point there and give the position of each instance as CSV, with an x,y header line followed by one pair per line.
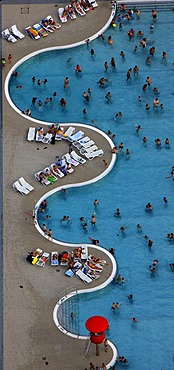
x,y
31,338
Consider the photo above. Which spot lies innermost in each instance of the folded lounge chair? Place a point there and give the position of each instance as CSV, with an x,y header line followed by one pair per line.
x,y
40,30
18,187
86,279
31,134
32,33
15,32
62,15
97,153
77,157
25,184
77,136
6,35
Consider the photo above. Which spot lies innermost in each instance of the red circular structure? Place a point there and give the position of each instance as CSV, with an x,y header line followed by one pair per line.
x,y
97,324
97,339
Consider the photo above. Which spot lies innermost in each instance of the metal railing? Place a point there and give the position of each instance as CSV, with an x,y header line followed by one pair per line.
x,y
68,312
147,5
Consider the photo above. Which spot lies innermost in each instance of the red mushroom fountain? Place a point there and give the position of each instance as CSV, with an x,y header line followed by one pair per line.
x,y
97,325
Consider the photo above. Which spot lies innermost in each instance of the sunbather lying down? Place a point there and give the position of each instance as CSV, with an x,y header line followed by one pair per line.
x,y
94,266
96,260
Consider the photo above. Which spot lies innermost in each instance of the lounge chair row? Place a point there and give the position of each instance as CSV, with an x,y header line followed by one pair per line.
x,y
59,169
85,273
80,7
87,147
22,186
43,28
12,34
39,134
39,258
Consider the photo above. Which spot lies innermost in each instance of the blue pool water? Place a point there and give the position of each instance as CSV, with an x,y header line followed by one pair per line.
x,y
133,182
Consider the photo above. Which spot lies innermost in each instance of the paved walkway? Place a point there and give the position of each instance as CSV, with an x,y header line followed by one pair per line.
x,y
30,294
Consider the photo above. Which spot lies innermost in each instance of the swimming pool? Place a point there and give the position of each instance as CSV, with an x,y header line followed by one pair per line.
x,y
134,181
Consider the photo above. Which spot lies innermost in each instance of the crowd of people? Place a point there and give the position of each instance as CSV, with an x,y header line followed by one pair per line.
x,y
156,104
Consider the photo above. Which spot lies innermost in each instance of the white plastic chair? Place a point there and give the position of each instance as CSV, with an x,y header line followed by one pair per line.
x,y
18,187
25,184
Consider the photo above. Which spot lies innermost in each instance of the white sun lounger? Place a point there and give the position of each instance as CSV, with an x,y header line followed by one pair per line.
x,y
15,32
85,8
25,184
6,35
54,258
70,160
84,254
18,187
101,262
79,10
53,23
59,173
47,138
77,157
86,279
70,169
88,150
77,136
79,143
47,171
96,267
47,28
31,134
60,14
43,259
88,144
93,3
39,134
96,153
70,131
44,181
70,11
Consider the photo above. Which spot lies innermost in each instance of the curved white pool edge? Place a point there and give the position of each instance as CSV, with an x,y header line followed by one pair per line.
x,y
95,179
6,85
89,290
